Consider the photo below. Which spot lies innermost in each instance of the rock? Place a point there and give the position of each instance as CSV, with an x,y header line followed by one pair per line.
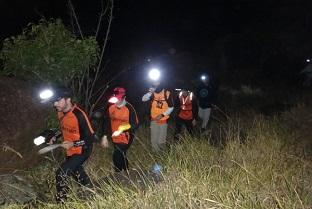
x,y
15,189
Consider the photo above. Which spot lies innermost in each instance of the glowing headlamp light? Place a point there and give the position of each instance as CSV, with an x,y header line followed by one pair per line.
x,y
308,60
203,77
154,74
46,94
113,100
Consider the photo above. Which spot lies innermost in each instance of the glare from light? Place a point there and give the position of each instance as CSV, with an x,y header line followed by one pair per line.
x,y
113,100
203,77
154,74
39,140
308,60
46,94
178,89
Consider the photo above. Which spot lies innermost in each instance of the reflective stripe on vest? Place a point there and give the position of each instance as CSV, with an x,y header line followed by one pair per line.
x,y
186,106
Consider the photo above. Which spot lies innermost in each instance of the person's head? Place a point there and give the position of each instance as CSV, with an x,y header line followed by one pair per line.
x,y
119,96
62,99
156,83
184,92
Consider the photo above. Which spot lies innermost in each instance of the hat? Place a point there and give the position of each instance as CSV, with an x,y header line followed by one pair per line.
x,y
118,94
55,94
61,92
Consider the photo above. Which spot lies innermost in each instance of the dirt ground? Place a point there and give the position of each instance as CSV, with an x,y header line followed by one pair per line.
x,y
22,117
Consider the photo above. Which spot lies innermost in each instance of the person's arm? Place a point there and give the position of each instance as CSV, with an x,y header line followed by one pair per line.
x,y
86,131
133,118
170,105
146,97
106,130
177,102
195,108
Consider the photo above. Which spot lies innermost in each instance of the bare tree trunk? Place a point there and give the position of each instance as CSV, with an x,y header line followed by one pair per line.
x,y
87,81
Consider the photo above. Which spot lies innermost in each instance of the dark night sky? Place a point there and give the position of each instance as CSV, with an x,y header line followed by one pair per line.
x,y
153,27
184,23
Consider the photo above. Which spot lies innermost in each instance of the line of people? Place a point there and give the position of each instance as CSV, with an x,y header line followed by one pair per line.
x,y
78,134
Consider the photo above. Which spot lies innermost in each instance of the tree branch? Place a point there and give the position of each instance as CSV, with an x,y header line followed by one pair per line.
x,y
102,14
107,33
71,6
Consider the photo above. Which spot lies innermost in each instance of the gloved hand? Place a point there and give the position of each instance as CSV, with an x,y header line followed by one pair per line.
x,y
194,122
117,133
104,142
152,89
67,144
52,140
158,117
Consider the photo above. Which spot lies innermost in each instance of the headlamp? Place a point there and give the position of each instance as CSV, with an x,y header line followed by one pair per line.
x,y
46,135
46,94
154,74
113,100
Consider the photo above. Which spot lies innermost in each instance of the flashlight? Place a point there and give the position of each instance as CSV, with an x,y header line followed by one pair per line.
x,y
203,77
46,135
154,74
39,140
308,60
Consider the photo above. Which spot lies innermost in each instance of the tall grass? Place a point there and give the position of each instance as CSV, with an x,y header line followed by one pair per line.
x,y
261,171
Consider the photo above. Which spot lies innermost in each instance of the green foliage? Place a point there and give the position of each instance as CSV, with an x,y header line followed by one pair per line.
x,y
49,52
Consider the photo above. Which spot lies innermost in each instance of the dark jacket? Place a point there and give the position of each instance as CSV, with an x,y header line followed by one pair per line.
x,y
206,95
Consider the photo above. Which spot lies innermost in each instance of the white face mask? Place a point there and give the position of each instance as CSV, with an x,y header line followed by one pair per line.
x,y
121,103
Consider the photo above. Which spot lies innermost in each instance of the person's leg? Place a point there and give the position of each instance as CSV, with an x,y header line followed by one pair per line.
x,y
206,116
162,135
154,136
178,128
82,177
120,156
200,112
69,168
189,126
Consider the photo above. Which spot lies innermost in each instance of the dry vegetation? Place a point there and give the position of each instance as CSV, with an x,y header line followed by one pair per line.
x,y
268,166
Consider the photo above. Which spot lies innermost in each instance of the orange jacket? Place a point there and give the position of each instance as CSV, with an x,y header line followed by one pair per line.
x,y
159,105
75,126
121,116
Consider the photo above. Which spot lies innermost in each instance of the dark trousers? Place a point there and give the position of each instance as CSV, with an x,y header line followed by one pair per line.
x,y
72,166
119,155
179,124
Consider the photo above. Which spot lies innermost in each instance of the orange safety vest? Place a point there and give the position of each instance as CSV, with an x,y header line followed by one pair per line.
x,y
186,107
70,128
120,116
160,105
